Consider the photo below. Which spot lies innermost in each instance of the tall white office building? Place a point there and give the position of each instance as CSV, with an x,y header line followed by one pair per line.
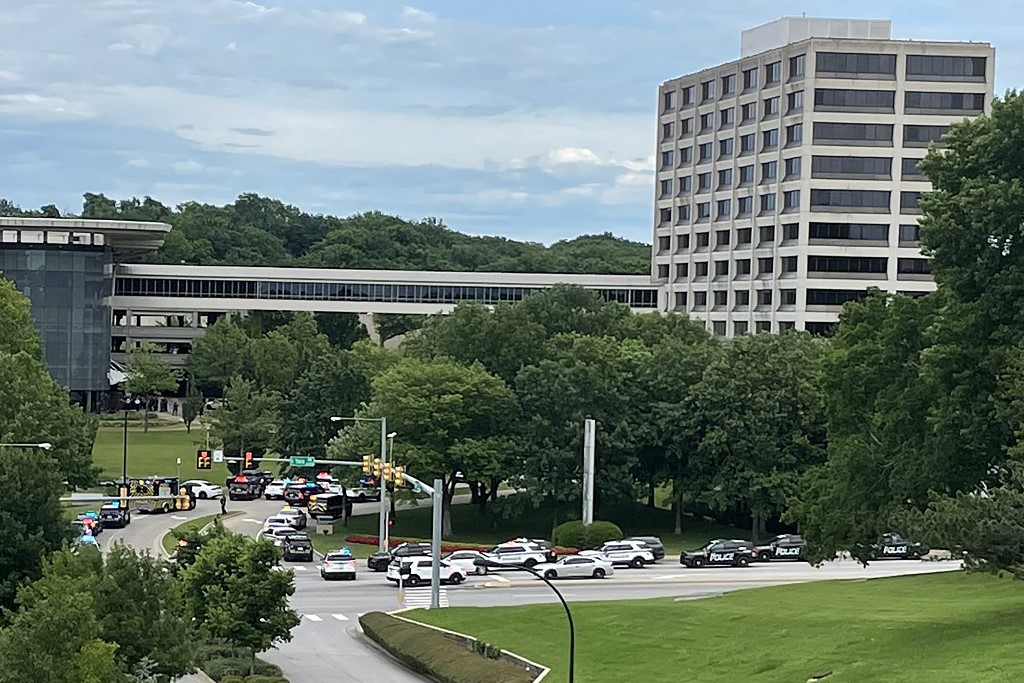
x,y
787,180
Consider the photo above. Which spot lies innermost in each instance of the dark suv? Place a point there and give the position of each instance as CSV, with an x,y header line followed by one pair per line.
x,y
782,547
112,515
719,552
298,548
379,561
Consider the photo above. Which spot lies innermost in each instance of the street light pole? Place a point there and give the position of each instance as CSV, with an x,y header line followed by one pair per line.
x,y
481,562
387,507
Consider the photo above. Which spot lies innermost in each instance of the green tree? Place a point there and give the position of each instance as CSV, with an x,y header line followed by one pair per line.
x,y
331,386
148,376
247,419
220,354
759,407
274,361
17,329
880,446
341,329
391,325
34,525
451,417
192,405
233,593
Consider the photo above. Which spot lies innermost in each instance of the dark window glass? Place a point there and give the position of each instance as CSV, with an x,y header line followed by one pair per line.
x,y
788,297
910,169
909,201
832,99
728,84
909,233
850,198
747,143
772,73
767,233
853,132
846,264
833,297
922,135
746,174
819,329
968,68
855,63
750,79
797,66
849,231
744,206
919,266
946,101
748,112
835,166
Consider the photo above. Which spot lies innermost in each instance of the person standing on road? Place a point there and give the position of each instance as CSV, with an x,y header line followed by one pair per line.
x,y
223,505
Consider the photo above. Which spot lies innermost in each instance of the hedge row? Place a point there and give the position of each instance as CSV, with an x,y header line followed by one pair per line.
x,y
225,663
432,654
595,535
446,548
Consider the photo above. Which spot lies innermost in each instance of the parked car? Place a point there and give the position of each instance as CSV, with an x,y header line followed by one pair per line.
x,y
338,565
719,552
417,570
361,494
527,554
203,489
782,547
114,516
297,548
296,518
897,547
576,567
465,561
379,561
275,489
654,543
630,553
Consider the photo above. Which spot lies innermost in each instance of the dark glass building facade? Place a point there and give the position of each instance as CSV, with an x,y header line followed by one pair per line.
x,y
69,287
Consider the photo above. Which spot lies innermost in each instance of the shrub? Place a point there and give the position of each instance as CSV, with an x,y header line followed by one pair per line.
x,y
433,654
235,669
257,678
232,678
575,534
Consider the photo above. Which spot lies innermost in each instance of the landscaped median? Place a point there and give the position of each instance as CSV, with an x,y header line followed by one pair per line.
x,y
170,539
446,657
936,628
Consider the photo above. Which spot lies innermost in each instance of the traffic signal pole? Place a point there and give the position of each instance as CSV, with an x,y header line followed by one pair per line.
x,y
382,535
435,491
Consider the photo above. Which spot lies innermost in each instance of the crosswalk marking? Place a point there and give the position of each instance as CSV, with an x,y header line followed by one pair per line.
x,y
312,617
498,577
340,617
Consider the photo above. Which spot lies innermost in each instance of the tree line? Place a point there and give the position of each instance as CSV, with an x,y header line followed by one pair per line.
x,y
260,231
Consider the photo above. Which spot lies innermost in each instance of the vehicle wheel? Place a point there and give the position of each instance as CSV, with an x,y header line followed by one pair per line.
x,y
361,498
697,562
456,579
323,576
637,563
742,561
165,507
481,571
531,563
550,574
412,580
598,573
764,556
202,495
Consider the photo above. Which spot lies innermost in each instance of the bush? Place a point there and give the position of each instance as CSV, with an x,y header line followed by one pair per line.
x,y
232,678
432,654
264,679
574,534
235,669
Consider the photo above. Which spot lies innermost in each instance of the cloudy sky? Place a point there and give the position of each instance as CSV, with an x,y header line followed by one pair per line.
x,y
529,119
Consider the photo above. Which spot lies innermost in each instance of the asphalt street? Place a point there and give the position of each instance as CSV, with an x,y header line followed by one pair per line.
x,y
328,646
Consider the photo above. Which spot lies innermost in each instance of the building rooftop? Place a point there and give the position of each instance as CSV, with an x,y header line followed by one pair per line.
x,y
781,32
124,237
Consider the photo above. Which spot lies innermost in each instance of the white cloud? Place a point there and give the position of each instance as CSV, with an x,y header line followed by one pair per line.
x,y
187,166
120,47
137,163
231,47
573,155
418,15
6,75
35,104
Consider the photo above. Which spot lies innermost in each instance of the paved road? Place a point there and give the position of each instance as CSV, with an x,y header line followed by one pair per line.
x,y
327,645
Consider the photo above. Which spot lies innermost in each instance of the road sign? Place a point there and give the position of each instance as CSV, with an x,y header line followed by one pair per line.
x,y
218,456
302,461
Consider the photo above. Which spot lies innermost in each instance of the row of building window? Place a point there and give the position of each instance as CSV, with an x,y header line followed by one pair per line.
x,y
836,99
817,231
845,201
334,291
842,64
739,269
875,134
765,299
791,168
707,122
822,166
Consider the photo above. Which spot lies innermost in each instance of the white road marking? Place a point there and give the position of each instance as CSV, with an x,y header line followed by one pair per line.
x,y
340,617
177,517
670,578
254,521
312,617
498,577
299,568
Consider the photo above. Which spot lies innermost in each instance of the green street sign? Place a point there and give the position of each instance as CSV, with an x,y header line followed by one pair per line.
x,y
302,461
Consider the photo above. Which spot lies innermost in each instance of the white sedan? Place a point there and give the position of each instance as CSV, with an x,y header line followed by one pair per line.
x,y
576,567
203,489
275,490
277,533
465,561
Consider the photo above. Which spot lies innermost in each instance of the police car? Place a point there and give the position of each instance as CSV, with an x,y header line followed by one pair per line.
x,y
629,553
895,547
719,553
338,565
515,553
782,547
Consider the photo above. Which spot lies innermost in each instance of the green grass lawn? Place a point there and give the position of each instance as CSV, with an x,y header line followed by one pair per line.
x,y
153,452
472,527
940,628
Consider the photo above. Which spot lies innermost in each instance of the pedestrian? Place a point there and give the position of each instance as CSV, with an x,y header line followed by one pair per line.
x,y
174,409
223,505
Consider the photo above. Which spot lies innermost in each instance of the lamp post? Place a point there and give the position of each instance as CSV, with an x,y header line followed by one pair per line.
x,y
124,439
483,562
382,541
387,507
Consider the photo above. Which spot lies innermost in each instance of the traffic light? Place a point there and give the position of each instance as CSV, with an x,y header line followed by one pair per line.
x,y
366,464
203,460
376,467
387,471
399,474
247,461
